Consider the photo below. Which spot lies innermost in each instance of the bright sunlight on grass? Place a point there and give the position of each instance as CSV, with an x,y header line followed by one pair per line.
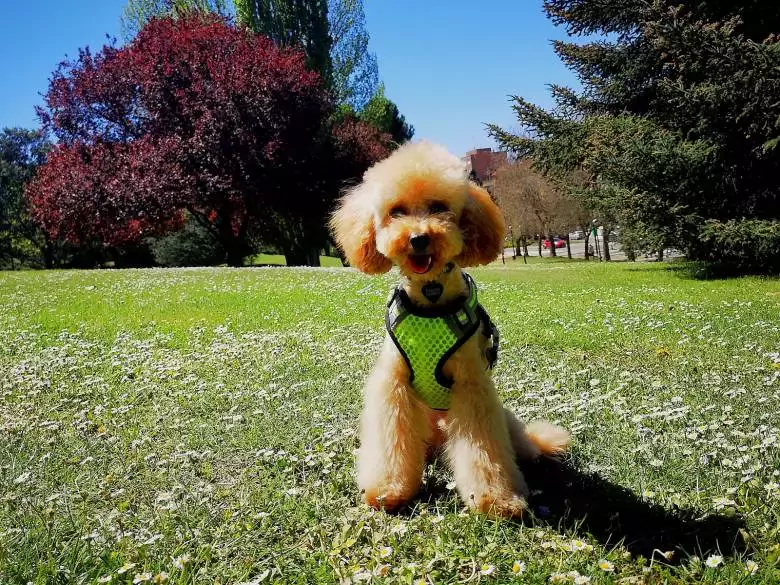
x,y
198,425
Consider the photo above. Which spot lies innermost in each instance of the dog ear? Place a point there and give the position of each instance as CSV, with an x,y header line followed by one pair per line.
x,y
352,225
482,225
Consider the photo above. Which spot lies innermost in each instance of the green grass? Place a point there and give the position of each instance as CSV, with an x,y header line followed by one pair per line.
x,y
200,423
278,260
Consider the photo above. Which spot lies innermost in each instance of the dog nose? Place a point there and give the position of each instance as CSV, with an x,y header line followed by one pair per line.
x,y
419,242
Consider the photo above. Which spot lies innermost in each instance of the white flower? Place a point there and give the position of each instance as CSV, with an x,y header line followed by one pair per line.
x,y
581,580
181,562
518,567
487,570
160,578
385,552
362,575
450,485
382,570
751,567
105,579
125,568
606,566
713,561
580,545
141,578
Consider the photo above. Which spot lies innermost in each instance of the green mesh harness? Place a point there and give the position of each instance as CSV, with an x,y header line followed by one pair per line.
x,y
427,338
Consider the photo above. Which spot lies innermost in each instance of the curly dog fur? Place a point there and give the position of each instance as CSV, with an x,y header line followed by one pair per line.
x,y
422,189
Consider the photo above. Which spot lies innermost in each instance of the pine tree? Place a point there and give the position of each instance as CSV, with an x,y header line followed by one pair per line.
x,y
679,119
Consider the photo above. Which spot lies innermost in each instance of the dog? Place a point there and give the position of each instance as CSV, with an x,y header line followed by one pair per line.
x,y
430,390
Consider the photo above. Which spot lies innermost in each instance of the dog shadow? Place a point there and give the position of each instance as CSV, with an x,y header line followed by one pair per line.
x,y
582,503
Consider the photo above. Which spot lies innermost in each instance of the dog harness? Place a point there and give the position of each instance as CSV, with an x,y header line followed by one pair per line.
x,y
428,336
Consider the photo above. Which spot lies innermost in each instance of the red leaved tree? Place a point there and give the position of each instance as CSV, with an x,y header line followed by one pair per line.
x,y
193,116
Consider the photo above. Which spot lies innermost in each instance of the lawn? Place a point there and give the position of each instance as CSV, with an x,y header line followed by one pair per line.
x,y
198,426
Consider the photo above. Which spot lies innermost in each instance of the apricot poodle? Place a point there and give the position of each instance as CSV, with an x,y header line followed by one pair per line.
x,y
431,387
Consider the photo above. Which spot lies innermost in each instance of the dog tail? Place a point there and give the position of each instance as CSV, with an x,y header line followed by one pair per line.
x,y
537,438
550,439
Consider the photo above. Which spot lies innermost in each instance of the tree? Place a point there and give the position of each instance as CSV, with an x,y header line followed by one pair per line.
x,y
193,116
383,114
355,72
138,12
350,67
21,153
678,120
532,205
295,24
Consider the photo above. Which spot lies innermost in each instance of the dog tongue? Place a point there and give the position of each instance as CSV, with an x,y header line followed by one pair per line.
x,y
420,264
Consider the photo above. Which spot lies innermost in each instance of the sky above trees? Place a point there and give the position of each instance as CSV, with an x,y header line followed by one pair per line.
x,y
448,65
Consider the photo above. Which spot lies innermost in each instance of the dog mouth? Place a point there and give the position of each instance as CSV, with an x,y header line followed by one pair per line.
x,y
420,263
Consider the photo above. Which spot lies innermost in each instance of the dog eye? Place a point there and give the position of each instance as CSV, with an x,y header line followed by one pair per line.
x,y
437,207
397,211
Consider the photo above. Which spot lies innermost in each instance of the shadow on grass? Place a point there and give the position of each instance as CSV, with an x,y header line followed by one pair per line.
x,y
586,503
576,502
693,270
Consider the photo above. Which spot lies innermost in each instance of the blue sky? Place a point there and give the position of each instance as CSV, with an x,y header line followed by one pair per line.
x,y
448,64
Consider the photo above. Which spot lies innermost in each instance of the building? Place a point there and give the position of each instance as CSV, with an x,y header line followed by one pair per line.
x,y
482,164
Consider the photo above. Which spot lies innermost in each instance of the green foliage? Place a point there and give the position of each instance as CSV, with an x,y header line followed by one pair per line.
x,y
138,12
355,72
383,114
293,23
747,244
193,245
678,121
21,153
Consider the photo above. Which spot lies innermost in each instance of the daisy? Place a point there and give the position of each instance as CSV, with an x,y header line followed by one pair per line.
x,y
713,561
385,552
181,562
518,567
487,570
751,567
606,566
141,578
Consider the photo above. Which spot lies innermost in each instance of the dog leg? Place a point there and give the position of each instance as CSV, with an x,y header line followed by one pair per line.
x,y
480,451
394,436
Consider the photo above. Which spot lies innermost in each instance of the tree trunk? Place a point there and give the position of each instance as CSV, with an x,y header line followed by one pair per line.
x,y
587,242
540,245
660,254
568,246
605,240
235,254
296,254
525,250
553,251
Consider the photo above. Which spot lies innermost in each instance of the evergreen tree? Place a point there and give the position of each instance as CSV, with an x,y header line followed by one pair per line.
x,y
679,120
383,114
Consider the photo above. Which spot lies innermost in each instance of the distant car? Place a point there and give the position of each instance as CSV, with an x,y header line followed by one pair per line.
x,y
559,243
577,235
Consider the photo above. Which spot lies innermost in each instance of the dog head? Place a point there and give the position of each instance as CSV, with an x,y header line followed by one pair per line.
x,y
418,210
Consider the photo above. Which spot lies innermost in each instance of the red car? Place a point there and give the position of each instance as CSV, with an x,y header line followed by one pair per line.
x,y
559,243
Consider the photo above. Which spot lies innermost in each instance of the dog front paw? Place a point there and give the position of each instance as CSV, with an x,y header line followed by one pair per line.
x,y
386,500
504,506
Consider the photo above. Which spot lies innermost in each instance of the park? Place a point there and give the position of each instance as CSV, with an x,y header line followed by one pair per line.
x,y
184,341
